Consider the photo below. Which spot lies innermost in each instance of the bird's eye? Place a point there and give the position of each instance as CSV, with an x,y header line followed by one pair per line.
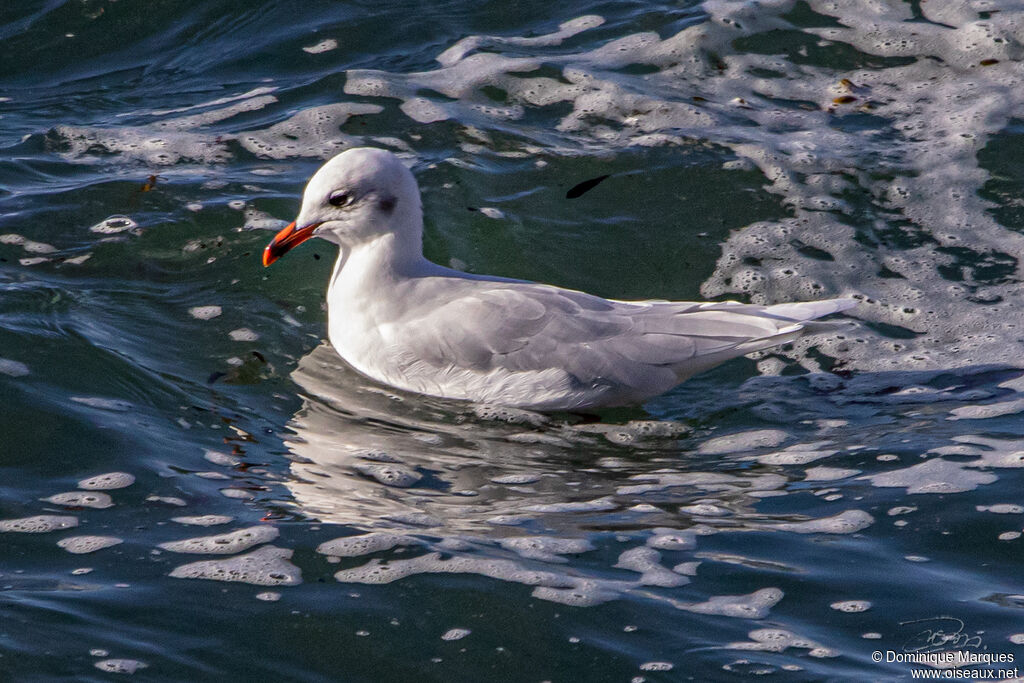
x,y
340,198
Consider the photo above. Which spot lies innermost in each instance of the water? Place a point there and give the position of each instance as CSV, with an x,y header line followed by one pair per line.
x,y
785,516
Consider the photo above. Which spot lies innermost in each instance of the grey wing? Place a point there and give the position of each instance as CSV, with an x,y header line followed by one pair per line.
x,y
632,349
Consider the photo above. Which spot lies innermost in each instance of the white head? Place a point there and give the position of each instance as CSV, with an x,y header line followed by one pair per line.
x,y
358,197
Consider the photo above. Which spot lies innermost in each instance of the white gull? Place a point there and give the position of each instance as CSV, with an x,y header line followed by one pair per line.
x,y
404,321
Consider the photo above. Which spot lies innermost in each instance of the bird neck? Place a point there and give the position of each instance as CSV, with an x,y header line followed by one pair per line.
x,y
382,259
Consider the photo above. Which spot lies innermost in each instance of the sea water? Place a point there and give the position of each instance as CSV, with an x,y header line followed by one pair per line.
x,y
194,486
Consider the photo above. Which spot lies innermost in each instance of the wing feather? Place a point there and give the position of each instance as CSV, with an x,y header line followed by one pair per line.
x,y
514,327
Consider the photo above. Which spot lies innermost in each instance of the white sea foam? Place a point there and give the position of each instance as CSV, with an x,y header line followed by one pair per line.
x,y
165,142
107,482
744,441
986,411
38,524
780,640
647,561
466,46
851,606
596,505
491,212
205,312
377,572
114,225
455,634
266,566
704,509
822,473
325,45
223,459
13,368
167,500
120,666
390,474
419,519
87,544
846,522
219,476
83,499
668,539
582,592
38,247
704,481
77,260
243,334
237,493
203,520
798,454
515,479
261,220
102,403
1001,508
546,548
224,544
686,568
314,132
935,475
755,605
365,544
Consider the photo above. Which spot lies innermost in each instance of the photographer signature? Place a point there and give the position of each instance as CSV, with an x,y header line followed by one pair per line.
x,y
940,633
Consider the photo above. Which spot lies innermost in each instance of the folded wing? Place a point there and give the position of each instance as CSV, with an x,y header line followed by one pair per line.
x,y
624,350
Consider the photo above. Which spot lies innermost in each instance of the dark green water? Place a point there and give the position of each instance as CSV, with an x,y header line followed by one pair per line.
x,y
782,517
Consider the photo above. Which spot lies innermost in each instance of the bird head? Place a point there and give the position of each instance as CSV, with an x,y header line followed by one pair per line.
x,y
356,197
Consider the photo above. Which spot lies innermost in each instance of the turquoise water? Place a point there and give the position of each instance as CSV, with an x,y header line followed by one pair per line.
x,y
784,516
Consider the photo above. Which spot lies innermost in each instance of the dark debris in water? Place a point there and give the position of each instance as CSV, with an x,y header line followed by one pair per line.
x,y
581,189
254,369
150,183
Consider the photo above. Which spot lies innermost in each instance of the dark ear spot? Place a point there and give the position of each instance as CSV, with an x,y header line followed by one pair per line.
x,y
387,203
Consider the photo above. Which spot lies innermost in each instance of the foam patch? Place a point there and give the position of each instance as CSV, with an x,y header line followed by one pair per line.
x,y
224,544
39,524
267,566
780,640
13,368
88,544
647,561
205,312
366,544
82,499
120,666
847,522
390,475
754,605
114,225
936,475
107,482
377,572
546,548
455,634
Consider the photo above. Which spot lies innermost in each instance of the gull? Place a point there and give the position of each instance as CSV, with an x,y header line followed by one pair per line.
x,y
407,322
